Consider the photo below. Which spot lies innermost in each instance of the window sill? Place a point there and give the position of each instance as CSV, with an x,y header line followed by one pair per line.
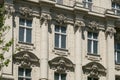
x,y
61,51
93,57
26,43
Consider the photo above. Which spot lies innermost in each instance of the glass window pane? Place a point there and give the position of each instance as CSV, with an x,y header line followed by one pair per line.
x,y
29,23
89,46
28,35
21,34
22,21
21,72
95,35
56,76
63,76
95,47
89,78
118,46
89,35
56,40
57,28
63,41
89,0
28,72
20,79
63,29
118,57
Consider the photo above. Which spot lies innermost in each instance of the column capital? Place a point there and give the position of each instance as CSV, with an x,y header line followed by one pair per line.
x,y
110,31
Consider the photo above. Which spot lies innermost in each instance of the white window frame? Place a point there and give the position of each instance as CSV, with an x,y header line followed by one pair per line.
x,y
24,77
88,4
25,27
60,75
60,34
116,53
115,8
92,39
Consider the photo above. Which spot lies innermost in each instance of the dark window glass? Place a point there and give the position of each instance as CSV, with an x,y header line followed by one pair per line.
x,y
95,43
57,40
28,35
29,23
21,34
22,21
56,76
63,41
89,46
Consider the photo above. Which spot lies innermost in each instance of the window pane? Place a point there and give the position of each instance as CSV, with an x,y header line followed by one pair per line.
x,y
56,40
56,76
63,76
118,46
89,78
95,35
118,57
28,72
29,23
89,46
27,79
22,21
63,29
21,72
28,35
95,47
89,35
63,41
20,78
57,28
21,34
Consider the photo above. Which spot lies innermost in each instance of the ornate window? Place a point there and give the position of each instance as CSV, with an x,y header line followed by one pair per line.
x,y
25,30
60,37
92,43
24,74
116,8
59,76
117,53
92,78
87,4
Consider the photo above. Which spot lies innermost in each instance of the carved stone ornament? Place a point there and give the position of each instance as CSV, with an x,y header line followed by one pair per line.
x,y
93,25
60,18
79,23
61,64
9,9
94,69
45,18
26,11
25,58
110,31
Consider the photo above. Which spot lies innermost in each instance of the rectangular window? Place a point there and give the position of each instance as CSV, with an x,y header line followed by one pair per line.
x,y
92,43
25,30
87,4
24,74
117,53
58,76
116,8
60,37
91,78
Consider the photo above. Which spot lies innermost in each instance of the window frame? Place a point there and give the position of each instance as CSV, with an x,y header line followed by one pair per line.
x,y
60,75
88,4
117,51
92,44
25,28
116,8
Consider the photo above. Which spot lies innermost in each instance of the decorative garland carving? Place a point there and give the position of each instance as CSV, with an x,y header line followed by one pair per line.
x,y
93,25
45,18
60,18
110,31
94,69
61,64
26,11
25,58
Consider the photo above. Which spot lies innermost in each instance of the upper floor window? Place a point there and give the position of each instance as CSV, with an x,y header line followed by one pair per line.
x,y
87,4
92,43
59,1
117,53
60,36
25,30
92,78
24,74
116,8
59,76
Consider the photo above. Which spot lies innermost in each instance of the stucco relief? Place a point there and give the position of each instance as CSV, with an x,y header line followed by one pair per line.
x,y
60,18
61,64
94,69
25,58
26,11
93,25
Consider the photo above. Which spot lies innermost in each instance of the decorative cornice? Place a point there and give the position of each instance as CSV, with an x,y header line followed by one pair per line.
x,y
94,69
110,31
60,18
25,11
61,64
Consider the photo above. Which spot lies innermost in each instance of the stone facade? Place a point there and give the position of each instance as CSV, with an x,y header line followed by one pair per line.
x,y
63,40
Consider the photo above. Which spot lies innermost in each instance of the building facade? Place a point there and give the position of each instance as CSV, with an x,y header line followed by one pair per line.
x,y
63,40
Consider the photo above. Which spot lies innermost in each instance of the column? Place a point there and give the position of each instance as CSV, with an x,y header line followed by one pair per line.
x,y
45,17
110,53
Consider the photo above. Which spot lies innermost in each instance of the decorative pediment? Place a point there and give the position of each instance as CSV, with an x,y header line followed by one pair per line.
x,y
93,25
94,69
25,11
25,58
60,18
61,64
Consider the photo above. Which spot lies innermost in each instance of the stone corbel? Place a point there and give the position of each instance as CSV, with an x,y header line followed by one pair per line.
x,y
9,9
45,18
25,11
79,23
110,31
93,25
60,19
